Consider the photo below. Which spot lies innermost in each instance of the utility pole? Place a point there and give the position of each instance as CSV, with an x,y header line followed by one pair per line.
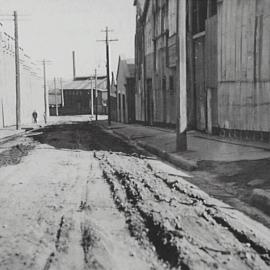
x,y
96,95
55,96
17,68
45,92
181,113
107,41
46,103
74,65
92,97
62,92
3,113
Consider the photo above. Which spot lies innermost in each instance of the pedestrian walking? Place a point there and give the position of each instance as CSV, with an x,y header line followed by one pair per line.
x,y
34,115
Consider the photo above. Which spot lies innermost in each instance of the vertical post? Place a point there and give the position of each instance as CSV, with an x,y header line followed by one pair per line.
x,y
74,65
3,113
45,92
96,95
92,97
190,66
17,68
181,113
62,92
55,97
108,77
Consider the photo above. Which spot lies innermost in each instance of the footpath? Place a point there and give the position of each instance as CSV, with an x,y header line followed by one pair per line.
x,y
226,168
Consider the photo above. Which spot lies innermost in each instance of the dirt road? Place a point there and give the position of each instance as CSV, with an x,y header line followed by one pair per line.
x,y
74,197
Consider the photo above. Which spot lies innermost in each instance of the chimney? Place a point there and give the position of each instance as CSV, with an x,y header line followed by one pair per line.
x,y
74,65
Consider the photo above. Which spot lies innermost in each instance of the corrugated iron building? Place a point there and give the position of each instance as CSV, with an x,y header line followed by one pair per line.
x,y
228,65
76,96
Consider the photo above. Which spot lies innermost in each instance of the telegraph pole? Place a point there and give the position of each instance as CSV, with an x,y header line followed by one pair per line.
x,y
62,92
55,96
181,113
96,95
3,113
45,91
17,68
107,41
92,97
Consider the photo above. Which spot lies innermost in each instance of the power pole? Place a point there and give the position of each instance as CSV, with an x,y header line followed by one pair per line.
x,y
55,96
62,92
92,97
96,95
3,113
17,68
107,41
74,65
181,113
45,92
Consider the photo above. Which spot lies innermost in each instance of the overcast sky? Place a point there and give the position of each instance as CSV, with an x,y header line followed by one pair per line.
x,y
56,27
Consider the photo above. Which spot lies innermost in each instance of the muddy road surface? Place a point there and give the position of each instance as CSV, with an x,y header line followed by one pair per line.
x,y
73,196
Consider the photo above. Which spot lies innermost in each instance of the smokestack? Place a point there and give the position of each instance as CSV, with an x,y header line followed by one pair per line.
x,y
74,65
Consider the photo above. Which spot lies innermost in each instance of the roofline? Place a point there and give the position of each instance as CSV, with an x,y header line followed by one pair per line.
x,y
89,77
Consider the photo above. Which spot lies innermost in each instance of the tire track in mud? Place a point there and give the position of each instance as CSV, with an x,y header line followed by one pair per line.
x,y
186,229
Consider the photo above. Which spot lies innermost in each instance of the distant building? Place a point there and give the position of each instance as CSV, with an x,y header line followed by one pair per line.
x,y
113,99
75,98
126,90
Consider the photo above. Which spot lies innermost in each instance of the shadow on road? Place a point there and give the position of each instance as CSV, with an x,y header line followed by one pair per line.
x,y
82,136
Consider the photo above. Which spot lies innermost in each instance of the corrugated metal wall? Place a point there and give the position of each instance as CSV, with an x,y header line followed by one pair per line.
x,y
31,84
244,64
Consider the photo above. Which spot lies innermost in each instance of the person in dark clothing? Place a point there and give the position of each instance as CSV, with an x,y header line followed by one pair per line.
x,y
34,114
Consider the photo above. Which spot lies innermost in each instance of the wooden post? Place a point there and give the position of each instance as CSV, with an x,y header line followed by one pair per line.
x,y
108,77
3,113
17,68
92,97
209,110
55,97
181,113
45,93
62,92
96,95
74,65
190,68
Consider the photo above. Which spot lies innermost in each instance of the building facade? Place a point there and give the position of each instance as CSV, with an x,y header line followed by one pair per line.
x,y
227,64
75,97
113,99
155,58
126,90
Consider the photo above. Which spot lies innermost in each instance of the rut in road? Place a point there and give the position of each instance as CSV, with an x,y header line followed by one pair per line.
x,y
186,230
94,202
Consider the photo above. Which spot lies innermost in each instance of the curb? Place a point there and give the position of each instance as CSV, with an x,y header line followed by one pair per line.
x,y
11,137
176,160
261,199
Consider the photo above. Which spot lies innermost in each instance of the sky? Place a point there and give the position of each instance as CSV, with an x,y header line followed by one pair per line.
x,y
52,29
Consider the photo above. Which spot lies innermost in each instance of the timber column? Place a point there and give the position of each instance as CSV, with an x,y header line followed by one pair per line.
x,y
181,113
